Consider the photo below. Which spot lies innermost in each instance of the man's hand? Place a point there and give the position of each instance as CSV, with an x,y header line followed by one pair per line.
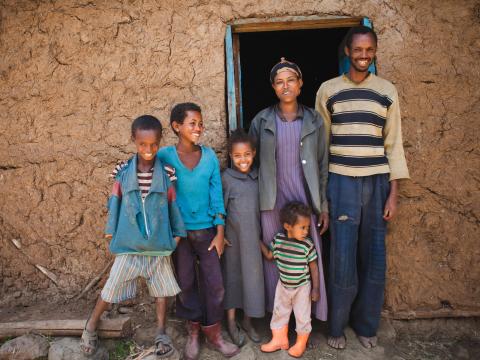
x,y
323,222
315,293
390,209
177,239
226,242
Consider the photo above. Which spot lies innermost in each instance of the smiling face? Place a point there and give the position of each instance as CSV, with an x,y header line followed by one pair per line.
x,y
361,52
147,143
242,156
191,128
300,229
287,86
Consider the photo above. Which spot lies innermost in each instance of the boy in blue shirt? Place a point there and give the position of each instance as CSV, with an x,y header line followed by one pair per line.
x,y
144,225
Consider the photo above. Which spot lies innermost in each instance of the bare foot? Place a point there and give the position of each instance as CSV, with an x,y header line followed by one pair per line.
x,y
368,342
337,342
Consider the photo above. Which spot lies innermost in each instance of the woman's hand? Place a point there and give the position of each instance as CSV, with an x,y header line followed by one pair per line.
x,y
323,222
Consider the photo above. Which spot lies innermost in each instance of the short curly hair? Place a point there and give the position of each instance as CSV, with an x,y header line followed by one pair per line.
x,y
240,136
179,112
146,122
290,212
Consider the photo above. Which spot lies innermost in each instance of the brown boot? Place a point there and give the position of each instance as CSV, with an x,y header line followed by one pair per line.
x,y
214,338
192,347
298,349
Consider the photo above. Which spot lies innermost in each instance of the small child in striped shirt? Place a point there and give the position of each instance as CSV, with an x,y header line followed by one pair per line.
x,y
295,256
144,225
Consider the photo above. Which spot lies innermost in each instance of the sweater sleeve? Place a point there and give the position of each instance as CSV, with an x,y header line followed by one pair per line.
x,y
226,191
217,209
113,206
392,134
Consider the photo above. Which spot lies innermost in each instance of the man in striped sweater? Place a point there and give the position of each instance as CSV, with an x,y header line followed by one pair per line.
x,y
362,120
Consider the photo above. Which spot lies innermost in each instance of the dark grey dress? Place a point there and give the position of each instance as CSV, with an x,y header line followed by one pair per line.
x,y
242,262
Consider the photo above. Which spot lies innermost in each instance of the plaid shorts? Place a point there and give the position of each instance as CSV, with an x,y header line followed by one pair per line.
x,y
122,281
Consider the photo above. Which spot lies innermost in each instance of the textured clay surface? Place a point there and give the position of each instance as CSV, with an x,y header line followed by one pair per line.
x,y
73,74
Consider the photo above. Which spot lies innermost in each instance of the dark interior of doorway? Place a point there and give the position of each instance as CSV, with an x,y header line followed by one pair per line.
x,y
315,51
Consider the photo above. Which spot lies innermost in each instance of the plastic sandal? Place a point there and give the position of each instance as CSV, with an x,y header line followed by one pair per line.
x,y
166,342
89,342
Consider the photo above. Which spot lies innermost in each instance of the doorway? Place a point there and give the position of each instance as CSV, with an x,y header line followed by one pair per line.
x,y
316,46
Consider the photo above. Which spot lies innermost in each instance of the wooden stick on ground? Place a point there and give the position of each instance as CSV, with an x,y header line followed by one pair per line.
x,y
41,268
108,328
95,280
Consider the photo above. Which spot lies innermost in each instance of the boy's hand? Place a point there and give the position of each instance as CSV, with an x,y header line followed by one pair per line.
x,y
266,252
218,244
170,170
315,293
177,239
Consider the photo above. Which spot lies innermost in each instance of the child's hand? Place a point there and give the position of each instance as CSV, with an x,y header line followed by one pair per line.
x,y
177,239
170,170
108,236
226,242
315,293
218,244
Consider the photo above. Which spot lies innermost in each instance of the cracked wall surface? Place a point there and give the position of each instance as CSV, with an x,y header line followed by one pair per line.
x,y
74,74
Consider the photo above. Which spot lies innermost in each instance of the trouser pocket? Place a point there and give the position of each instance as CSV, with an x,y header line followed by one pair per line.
x,y
344,249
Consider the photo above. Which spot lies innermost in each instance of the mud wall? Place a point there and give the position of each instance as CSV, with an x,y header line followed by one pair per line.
x,y
74,73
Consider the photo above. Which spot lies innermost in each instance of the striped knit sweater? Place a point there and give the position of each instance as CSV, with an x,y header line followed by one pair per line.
x,y
292,258
363,127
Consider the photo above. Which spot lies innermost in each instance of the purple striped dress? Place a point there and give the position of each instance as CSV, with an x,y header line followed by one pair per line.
x,y
291,186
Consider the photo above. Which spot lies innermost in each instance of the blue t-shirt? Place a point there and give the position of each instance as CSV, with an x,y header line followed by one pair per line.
x,y
199,191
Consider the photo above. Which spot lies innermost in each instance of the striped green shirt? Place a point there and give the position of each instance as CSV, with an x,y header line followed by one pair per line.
x,y
292,258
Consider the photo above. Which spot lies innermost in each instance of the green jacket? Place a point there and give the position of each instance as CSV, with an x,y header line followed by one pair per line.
x,y
314,157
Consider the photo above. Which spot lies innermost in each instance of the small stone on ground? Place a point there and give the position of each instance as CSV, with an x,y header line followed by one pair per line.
x,y
25,347
69,349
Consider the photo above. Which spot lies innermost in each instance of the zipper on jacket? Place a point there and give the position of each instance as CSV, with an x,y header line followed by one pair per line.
x,y
145,216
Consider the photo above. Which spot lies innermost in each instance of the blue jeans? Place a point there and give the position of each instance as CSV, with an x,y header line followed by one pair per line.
x,y
357,252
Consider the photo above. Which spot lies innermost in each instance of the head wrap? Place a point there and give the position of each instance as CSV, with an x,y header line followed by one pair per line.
x,y
285,65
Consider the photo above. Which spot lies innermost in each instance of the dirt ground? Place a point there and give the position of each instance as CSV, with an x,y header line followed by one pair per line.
x,y
398,340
